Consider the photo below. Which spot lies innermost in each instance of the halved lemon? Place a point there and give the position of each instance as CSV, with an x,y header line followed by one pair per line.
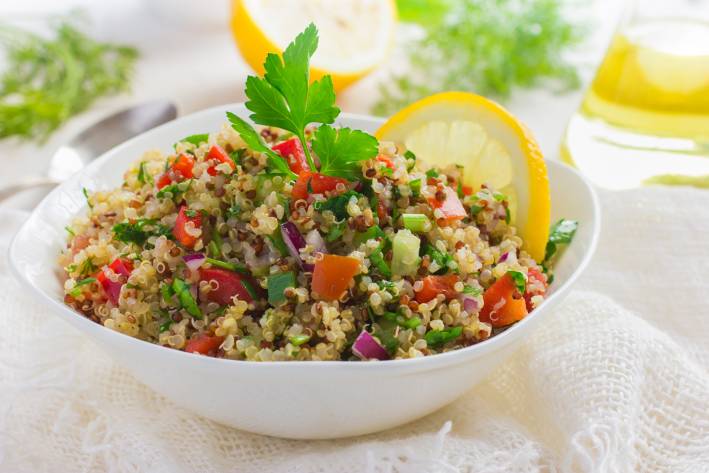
x,y
355,35
493,147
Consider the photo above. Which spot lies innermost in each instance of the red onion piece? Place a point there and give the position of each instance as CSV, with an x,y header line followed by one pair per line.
x,y
194,260
315,239
293,240
470,304
367,347
504,257
112,288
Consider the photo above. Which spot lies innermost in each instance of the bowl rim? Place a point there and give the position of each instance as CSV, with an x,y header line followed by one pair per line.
x,y
460,355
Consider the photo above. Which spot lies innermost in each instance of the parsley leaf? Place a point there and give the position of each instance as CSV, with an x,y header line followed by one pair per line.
x,y
285,98
561,233
341,150
254,141
139,231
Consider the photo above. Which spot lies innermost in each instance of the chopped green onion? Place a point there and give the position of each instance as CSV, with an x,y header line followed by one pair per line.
x,y
277,284
237,268
372,232
415,187
187,302
439,337
432,173
402,321
165,326
335,232
86,195
174,190
213,249
76,290
278,243
508,215
143,175
298,340
417,223
471,291
377,258
166,293
476,209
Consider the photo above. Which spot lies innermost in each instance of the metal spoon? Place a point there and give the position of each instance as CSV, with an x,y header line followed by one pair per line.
x,y
94,141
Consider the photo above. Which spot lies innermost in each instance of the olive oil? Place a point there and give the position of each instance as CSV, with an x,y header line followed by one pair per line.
x,y
646,114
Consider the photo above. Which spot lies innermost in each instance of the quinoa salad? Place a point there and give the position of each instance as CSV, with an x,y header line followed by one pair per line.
x,y
299,241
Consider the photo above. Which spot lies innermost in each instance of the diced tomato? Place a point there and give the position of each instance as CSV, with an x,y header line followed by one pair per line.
x,y
315,183
230,284
382,158
503,304
467,190
179,170
451,207
536,286
292,151
434,285
219,156
180,232
332,276
121,267
204,345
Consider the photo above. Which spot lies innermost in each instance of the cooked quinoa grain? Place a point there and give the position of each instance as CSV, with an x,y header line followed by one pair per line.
x,y
208,250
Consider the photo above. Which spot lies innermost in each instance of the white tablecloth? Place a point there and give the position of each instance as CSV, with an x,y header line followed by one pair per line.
x,y
616,381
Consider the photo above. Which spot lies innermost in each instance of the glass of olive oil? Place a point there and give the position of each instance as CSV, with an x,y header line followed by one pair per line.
x,y
645,117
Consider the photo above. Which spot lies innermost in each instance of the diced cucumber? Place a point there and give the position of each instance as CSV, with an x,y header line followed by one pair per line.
x,y
405,253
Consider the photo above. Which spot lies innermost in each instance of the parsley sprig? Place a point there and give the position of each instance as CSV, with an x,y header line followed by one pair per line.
x,y
285,98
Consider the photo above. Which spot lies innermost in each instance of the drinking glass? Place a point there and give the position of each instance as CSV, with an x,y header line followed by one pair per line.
x,y
645,117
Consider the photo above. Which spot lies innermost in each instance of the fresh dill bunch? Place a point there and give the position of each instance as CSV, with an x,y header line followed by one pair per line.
x,y
483,46
48,80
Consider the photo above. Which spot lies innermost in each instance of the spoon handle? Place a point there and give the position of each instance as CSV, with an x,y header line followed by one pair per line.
x,y
30,183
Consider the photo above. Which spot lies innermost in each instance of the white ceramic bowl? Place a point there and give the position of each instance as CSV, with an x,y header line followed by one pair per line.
x,y
287,399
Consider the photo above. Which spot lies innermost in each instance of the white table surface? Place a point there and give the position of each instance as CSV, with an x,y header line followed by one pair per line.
x,y
192,60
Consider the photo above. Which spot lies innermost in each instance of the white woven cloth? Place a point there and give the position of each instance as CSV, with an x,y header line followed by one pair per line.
x,y
617,381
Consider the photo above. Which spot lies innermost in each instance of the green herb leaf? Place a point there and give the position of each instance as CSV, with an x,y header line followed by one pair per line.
x,y
442,258
342,150
69,230
173,191
277,284
561,233
486,47
370,233
284,97
196,140
47,80
415,187
338,204
139,231
254,141
520,280
471,291
335,232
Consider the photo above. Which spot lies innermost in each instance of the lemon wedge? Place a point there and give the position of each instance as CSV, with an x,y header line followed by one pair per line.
x,y
355,35
492,146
